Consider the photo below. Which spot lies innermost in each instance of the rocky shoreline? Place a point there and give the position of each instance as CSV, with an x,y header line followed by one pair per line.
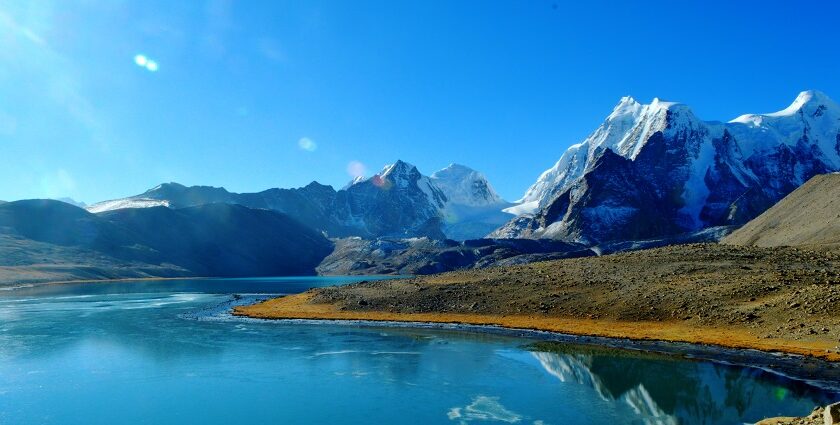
x,y
828,415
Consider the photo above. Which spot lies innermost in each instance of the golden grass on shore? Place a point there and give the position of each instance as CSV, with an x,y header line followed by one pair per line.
x,y
300,306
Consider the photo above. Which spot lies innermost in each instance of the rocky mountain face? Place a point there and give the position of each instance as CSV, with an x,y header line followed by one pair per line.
x,y
356,256
654,170
399,202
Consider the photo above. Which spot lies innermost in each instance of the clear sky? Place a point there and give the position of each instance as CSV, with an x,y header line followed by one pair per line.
x,y
104,99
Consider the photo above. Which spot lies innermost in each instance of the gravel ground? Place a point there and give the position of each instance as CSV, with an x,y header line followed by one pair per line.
x,y
787,293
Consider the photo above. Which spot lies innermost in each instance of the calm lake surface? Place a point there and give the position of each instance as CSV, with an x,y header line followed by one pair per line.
x,y
166,352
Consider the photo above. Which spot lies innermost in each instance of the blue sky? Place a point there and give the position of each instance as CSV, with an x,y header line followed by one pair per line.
x,y
250,95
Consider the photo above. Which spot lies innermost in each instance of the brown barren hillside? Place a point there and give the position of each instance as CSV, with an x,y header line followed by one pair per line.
x,y
810,215
781,299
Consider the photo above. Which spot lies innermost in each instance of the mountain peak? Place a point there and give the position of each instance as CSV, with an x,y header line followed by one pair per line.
x,y
630,109
805,101
453,170
808,101
314,184
812,96
664,104
167,186
465,186
455,166
398,168
627,106
356,180
402,164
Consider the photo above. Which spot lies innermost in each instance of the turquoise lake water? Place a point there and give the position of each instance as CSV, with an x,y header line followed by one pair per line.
x,y
166,352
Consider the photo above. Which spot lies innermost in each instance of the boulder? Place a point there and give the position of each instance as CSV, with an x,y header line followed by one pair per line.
x,y
831,414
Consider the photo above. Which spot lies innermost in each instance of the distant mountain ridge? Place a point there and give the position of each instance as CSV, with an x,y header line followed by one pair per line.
x,y
206,240
456,202
655,170
308,204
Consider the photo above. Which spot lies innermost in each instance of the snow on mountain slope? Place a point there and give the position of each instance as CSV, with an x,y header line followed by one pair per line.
x,y
653,170
357,179
812,115
464,186
118,204
625,132
172,195
473,208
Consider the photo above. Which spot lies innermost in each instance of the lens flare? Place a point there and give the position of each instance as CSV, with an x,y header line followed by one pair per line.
x,y
307,144
143,61
356,169
380,182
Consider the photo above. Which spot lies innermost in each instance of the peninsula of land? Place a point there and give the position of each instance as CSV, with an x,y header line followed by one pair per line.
x,y
779,299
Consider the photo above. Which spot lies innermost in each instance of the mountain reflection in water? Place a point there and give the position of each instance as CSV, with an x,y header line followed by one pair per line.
x,y
666,391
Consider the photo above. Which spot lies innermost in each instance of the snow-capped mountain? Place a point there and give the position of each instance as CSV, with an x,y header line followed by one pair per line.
x,y
464,186
399,201
625,131
654,170
396,202
457,200
473,207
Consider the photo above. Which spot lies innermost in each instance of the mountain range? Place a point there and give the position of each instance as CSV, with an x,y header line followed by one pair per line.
x,y
648,171
456,203
53,238
655,170
650,175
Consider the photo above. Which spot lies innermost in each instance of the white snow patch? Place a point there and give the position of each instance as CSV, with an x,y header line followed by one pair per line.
x,y
695,191
529,207
119,204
